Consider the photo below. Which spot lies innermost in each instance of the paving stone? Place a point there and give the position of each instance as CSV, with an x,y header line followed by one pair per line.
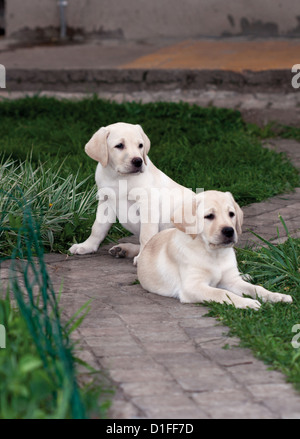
x,y
205,377
122,409
125,309
279,397
133,319
96,332
149,375
180,414
107,340
218,343
159,332
121,298
151,388
109,321
171,360
255,372
204,335
115,349
198,322
129,363
220,397
238,410
169,407
186,310
271,219
232,403
231,356
169,347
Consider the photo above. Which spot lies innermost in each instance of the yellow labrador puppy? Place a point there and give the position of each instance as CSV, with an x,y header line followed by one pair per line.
x,y
195,262
130,188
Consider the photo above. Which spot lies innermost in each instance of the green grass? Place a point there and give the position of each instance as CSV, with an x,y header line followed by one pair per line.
x,y
287,132
274,129
268,331
208,148
63,208
59,204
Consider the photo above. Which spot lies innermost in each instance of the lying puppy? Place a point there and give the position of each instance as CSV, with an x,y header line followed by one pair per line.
x,y
130,188
195,262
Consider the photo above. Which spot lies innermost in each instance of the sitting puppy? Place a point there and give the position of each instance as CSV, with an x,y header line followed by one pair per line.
x,y
130,188
195,262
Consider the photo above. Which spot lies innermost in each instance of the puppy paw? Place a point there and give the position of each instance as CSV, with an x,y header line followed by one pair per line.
x,y
117,252
135,260
287,298
277,297
250,303
81,249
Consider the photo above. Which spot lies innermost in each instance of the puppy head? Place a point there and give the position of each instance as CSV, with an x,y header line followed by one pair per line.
x,y
212,215
122,146
222,219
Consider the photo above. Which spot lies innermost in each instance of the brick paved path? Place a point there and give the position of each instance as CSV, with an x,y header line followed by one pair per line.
x,y
166,359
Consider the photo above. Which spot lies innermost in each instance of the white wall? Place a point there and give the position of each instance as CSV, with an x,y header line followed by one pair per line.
x,y
145,19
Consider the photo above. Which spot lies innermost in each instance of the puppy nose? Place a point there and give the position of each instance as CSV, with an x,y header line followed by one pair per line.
x,y
228,232
137,162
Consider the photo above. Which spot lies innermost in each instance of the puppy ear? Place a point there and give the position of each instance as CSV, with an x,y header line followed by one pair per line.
x,y
239,218
147,144
185,217
96,148
239,214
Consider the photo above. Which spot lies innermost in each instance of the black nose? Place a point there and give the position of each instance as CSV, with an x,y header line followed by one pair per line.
x,y
137,162
228,232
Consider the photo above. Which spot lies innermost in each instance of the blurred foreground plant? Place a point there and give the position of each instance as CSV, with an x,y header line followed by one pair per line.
x,y
38,377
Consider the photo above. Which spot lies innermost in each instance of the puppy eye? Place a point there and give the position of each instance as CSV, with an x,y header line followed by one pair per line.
x,y
119,146
141,145
210,217
231,214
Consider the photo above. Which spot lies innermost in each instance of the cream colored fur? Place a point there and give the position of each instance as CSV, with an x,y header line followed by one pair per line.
x,y
202,266
114,171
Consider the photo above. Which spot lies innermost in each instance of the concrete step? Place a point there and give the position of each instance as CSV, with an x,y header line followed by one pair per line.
x,y
227,64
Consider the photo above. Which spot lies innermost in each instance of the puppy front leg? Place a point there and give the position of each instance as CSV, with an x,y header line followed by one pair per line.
x,y
146,232
100,229
200,292
240,287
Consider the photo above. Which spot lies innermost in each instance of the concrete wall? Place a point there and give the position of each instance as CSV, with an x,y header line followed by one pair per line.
x,y
147,19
